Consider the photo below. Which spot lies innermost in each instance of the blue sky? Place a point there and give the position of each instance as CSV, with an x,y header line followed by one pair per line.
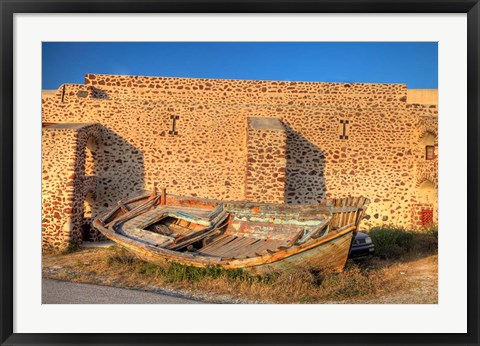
x,y
411,63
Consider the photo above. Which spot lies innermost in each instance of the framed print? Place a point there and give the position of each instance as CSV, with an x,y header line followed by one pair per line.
x,y
239,173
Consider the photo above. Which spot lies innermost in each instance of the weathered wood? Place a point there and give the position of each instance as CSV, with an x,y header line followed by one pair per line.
x,y
242,251
192,239
217,244
229,250
225,247
262,235
123,207
146,237
342,214
344,209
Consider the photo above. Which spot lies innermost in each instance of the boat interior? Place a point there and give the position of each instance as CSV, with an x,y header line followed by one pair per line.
x,y
228,230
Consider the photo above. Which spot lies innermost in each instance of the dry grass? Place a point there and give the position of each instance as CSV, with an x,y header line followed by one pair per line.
x,y
360,282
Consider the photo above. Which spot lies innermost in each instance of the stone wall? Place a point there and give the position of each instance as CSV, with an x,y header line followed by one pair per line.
x,y
64,183
266,160
424,200
190,136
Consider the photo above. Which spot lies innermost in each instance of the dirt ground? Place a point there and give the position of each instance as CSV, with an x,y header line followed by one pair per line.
x,y
409,280
420,283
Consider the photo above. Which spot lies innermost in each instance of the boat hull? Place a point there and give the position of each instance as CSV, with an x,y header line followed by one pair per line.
x,y
326,247
328,254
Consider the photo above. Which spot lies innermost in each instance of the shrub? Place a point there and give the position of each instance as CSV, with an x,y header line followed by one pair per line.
x,y
71,247
428,240
392,242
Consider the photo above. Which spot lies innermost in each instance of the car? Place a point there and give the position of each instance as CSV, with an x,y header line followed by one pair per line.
x,y
362,246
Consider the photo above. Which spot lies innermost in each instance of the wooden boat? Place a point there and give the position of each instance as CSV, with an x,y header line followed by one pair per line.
x,y
256,236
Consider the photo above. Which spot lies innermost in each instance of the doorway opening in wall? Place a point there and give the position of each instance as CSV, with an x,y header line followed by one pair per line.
x,y
88,206
428,197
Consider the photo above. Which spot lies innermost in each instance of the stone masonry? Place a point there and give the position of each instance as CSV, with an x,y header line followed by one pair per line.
x,y
266,160
268,141
66,182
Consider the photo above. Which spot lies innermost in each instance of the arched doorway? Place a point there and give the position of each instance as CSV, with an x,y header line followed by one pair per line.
x,y
88,215
88,203
424,210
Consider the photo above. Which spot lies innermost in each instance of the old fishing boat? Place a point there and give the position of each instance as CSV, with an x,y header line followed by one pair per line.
x,y
258,236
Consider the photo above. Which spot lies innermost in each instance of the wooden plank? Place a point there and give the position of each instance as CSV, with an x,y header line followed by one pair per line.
x,y
343,209
363,201
215,245
334,214
342,215
349,201
348,214
148,237
358,201
338,203
239,248
225,249
217,242
355,204
352,203
215,239
293,240
252,249
219,248
242,251
192,238
361,204
271,245
123,207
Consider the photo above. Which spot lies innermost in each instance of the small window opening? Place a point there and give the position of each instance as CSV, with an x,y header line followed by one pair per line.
x,y
426,217
343,129
430,152
174,131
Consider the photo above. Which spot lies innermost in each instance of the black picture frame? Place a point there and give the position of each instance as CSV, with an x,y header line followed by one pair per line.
x,y
9,8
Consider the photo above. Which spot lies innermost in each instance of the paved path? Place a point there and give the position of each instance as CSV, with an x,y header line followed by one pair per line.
x,y
63,292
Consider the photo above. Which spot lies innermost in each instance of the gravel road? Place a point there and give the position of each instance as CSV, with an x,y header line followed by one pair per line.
x,y
63,292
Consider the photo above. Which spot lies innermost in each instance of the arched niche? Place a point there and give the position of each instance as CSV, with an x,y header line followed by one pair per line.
x,y
428,138
427,192
90,153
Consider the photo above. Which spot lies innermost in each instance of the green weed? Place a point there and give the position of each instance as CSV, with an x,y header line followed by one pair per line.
x,y
394,242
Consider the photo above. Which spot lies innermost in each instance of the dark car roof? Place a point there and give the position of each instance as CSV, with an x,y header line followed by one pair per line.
x,y
361,235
